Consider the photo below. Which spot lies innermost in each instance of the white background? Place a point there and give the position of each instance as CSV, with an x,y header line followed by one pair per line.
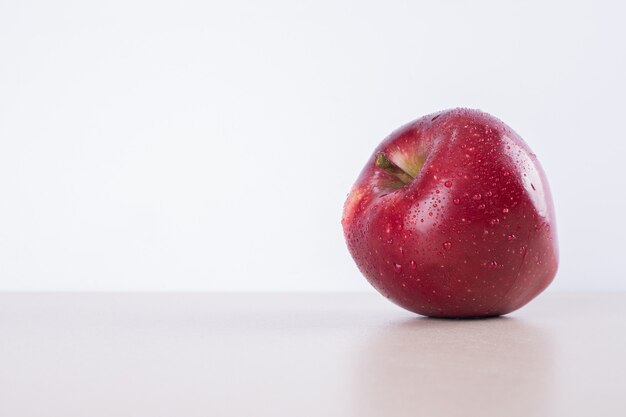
x,y
151,145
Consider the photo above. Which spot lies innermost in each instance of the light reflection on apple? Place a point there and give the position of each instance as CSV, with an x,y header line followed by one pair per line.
x,y
531,176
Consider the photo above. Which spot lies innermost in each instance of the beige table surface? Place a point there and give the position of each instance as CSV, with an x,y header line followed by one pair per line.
x,y
179,355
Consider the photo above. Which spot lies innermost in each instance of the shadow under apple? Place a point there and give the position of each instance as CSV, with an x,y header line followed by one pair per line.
x,y
437,367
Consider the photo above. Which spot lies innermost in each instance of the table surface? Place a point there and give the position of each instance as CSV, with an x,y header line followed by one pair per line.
x,y
73,354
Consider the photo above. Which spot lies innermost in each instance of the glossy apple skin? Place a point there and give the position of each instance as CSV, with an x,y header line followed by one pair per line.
x,y
472,235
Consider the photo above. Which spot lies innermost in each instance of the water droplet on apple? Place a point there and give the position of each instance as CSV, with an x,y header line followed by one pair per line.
x,y
512,236
477,196
505,210
397,267
390,241
448,184
447,245
492,265
495,222
456,201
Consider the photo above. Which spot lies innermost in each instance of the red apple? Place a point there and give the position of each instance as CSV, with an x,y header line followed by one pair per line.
x,y
452,217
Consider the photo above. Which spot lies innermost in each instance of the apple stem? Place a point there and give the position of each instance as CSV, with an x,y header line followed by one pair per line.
x,y
383,162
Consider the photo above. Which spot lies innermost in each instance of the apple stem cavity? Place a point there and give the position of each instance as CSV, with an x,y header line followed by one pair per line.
x,y
387,165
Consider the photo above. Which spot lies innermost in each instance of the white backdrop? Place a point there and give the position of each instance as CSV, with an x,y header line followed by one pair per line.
x,y
178,145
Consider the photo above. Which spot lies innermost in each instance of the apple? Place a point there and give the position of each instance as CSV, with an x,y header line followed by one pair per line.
x,y
452,217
